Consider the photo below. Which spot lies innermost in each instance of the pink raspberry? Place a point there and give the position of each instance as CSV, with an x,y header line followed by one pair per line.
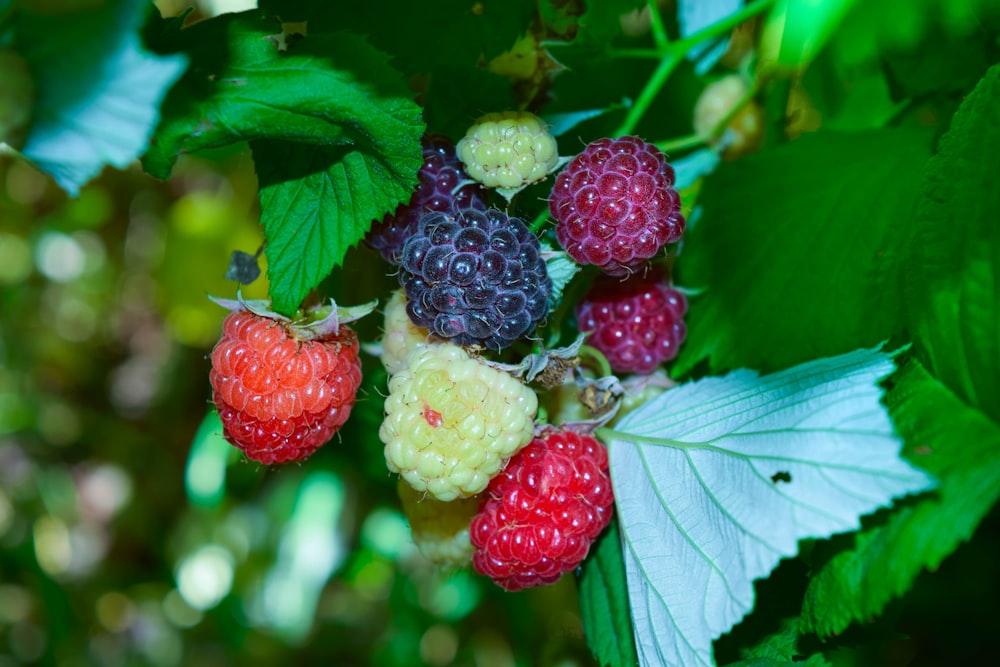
x,y
615,206
542,513
635,323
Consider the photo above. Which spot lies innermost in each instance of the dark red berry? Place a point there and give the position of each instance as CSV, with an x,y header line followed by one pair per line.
x,y
615,206
637,323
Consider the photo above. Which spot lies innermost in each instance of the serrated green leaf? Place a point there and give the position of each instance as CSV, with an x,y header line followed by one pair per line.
x,y
335,135
604,603
248,82
717,480
99,90
954,290
801,250
779,649
957,444
316,203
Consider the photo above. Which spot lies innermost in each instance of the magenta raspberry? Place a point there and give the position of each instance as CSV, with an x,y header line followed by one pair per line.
x,y
475,278
615,205
542,513
637,323
439,177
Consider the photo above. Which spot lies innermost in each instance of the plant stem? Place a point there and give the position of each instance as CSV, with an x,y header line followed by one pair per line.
x,y
593,354
680,143
721,27
539,221
656,26
667,65
672,55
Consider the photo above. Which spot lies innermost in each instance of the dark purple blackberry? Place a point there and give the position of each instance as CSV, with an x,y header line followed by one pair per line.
x,y
475,277
439,176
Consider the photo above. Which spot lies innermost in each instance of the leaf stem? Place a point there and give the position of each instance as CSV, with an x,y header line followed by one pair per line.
x,y
667,65
606,434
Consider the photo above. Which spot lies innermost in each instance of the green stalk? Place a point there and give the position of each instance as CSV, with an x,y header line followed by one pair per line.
x,y
672,55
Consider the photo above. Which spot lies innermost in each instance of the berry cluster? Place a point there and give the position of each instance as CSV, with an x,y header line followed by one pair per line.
x,y
635,323
508,150
479,480
451,421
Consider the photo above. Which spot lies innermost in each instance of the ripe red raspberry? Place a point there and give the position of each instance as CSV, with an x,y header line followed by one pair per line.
x,y
615,206
541,514
280,398
635,323
438,178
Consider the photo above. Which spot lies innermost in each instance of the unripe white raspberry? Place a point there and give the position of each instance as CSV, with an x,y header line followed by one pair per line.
x,y
451,421
508,150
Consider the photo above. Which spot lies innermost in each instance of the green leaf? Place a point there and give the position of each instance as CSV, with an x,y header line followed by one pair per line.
x,y
316,202
604,603
248,81
943,63
717,480
954,291
99,90
801,250
422,36
351,136
957,444
780,649
596,28
456,96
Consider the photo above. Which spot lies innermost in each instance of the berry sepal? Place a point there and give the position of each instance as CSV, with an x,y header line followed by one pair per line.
x,y
316,323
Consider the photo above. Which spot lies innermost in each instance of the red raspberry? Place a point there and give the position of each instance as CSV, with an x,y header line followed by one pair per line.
x,y
635,323
281,398
541,514
615,206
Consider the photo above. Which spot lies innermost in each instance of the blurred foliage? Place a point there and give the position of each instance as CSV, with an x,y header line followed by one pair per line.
x,y
132,534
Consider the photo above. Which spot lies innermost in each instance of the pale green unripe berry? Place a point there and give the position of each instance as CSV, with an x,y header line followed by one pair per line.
x,y
508,150
452,421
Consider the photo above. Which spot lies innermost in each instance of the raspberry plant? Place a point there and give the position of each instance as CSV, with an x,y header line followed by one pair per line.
x,y
687,314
